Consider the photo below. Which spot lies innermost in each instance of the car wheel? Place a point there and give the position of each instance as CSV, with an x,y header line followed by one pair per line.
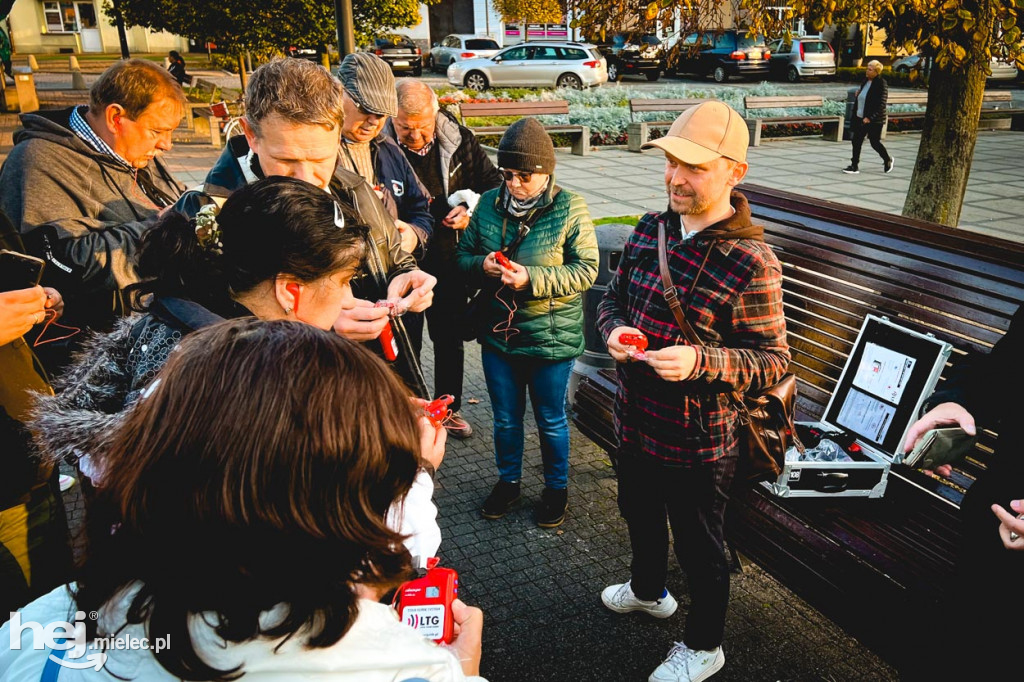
x,y
476,81
430,63
569,80
653,75
418,71
792,75
613,72
903,68
720,75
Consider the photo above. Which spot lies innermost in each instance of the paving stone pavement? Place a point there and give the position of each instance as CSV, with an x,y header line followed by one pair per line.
x,y
540,589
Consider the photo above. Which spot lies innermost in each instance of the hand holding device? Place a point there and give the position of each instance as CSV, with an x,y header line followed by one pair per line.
x,y
387,336
19,271
638,344
503,260
438,411
425,604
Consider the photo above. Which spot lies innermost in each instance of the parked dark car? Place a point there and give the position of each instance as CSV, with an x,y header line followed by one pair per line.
x,y
400,52
722,54
629,55
312,54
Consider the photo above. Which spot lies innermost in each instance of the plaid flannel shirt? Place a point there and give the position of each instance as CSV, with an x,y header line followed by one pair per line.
x,y
735,308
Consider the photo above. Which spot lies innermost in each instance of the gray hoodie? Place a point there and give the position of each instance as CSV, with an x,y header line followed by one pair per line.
x,y
82,211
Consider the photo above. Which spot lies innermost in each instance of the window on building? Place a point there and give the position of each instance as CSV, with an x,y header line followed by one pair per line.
x,y
60,17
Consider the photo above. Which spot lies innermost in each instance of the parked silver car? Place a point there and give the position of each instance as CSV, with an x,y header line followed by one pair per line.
x,y
459,46
795,58
538,64
1000,70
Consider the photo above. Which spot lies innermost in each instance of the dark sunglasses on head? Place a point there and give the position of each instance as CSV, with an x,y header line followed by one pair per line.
x,y
508,175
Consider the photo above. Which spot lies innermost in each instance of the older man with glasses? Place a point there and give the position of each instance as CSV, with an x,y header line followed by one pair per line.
x,y
455,170
83,184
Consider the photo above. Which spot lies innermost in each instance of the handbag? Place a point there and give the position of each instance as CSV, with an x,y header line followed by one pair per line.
x,y
766,427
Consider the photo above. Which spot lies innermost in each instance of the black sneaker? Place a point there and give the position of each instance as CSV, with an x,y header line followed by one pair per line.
x,y
889,164
550,513
851,170
503,496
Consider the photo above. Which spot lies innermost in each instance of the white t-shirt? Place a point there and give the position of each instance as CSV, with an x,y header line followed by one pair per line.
x,y
377,648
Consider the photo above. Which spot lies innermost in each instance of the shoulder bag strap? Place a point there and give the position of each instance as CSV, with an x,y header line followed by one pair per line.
x,y
669,292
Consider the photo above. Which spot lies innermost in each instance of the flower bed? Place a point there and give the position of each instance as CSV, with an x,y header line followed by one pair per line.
x,y
606,110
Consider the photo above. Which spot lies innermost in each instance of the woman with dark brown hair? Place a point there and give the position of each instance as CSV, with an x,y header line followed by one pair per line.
x,y
252,481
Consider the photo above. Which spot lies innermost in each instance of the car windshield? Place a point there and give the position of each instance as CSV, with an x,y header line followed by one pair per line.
x,y
481,44
750,41
815,46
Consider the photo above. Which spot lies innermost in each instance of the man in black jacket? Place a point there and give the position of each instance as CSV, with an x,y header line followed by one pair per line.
x,y
455,170
292,124
991,558
869,117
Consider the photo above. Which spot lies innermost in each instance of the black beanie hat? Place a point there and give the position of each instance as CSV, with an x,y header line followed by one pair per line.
x,y
527,147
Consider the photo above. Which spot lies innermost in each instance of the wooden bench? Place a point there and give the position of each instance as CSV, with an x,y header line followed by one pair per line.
x,y
882,569
637,132
754,123
580,134
997,110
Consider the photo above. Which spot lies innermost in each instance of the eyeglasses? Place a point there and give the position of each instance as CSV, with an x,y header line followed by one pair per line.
x,y
508,175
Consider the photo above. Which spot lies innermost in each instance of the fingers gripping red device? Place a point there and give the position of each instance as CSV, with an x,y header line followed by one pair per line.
x,y
387,337
425,604
638,342
503,260
438,411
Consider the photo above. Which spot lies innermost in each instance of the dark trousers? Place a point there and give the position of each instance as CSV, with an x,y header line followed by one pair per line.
x,y
873,131
445,318
692,501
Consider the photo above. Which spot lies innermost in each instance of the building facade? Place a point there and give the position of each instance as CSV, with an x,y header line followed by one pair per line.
x,y
56,26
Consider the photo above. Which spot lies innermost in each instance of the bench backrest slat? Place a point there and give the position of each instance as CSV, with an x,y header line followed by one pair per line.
x,y
754,102
840,263
677,105
558,106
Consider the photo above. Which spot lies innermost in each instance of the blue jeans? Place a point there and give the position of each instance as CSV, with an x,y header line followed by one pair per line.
x,y
508,377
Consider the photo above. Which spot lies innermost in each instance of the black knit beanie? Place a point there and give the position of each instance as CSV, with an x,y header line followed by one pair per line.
x,y
526,146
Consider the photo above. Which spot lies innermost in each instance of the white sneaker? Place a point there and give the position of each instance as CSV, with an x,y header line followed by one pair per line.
x,y
688,665
620,598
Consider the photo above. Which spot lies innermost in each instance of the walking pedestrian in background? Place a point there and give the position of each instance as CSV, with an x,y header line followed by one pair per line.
x,y
869,117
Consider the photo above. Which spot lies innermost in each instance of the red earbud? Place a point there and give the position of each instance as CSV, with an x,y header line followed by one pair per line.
x,y
293,289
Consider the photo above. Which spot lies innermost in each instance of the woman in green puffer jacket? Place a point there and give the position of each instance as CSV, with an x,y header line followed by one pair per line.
x,y
530,317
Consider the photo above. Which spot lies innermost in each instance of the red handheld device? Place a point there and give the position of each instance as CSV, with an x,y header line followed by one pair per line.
x,y
638,341
438,411
425,604
503,260
387,337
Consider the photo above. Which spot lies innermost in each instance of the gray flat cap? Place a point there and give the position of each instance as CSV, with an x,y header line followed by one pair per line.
x,y
368,80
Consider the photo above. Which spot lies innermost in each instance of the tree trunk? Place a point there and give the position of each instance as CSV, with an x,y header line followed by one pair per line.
x,y
242,75
950,130
944,157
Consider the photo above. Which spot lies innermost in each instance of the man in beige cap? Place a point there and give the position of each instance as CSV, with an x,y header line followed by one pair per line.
x,y
673,415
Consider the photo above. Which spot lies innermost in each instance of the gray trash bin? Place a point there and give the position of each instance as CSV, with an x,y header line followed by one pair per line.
x,y
611,238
